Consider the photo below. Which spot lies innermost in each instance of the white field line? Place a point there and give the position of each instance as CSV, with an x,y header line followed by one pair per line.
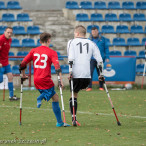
x,y
80,112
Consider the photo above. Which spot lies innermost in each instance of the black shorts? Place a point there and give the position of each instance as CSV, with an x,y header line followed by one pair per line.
x,y
79,83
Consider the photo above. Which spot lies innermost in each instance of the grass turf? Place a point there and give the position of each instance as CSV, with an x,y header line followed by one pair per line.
x,y
98,123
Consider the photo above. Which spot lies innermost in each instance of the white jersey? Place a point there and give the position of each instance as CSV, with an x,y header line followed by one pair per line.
x,y
80,51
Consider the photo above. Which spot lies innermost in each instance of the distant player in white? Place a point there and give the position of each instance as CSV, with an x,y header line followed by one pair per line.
x,y
80,51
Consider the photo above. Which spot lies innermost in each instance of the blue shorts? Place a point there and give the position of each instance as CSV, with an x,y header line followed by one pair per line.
x,y
47,93
4,70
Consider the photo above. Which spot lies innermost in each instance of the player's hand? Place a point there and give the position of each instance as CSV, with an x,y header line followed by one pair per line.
x,y
1,65
24,77
69,77
62,85
101,78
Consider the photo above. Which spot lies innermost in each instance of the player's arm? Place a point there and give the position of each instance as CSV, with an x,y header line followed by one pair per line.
x,y
55,61
24,63
97,56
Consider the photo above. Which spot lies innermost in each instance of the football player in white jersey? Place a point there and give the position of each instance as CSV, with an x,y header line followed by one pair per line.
x,y
80,51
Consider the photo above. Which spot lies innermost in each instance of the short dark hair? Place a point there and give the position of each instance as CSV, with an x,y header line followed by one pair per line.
x,y
80,29
44,37
94,28
8,28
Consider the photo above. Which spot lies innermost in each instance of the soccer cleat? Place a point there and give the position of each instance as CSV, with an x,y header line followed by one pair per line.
x,y
62,124
101,89
89,89
39,105
75,123
14,98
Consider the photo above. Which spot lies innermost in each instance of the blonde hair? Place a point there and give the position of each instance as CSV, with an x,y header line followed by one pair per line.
x,y
80,29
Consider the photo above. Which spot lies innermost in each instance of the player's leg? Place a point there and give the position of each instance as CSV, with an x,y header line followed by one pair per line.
x,y
100,82
40,98
1,74
76,89
8,71
75,105
93,64
57,111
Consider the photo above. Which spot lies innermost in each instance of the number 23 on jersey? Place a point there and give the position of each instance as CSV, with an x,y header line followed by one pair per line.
x,y
40,58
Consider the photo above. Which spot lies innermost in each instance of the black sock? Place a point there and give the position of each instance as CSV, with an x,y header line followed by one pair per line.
x,y
75,106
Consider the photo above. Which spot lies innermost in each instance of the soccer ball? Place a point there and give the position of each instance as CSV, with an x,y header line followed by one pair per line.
x,y
128,86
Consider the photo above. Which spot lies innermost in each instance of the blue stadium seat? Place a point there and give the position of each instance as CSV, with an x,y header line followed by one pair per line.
x,y
15,43
2,5
100,5
114,5
137,29
144,41
23,17
108,29
145,29
21,53
8,17
11,54
141,54
140,69
122,29
96,17
59,56
108,42
27,70
133,42
89,27
82,17
86,5
72,5
15,69
65,68
13,5
115,53
119,42
125,17
28,42
128,5
19,30
111,17
2,29
33,30
139,17
130,53
39,44
53,70
141,5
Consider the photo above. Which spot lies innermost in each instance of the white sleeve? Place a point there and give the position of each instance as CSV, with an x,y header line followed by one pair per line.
x,y
70,51
96,53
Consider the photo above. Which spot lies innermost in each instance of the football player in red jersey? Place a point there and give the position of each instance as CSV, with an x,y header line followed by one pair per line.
x,y
42,58
5,43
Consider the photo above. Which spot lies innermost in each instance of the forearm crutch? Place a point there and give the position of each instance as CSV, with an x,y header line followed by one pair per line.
x,y
59,82
118,122
72,92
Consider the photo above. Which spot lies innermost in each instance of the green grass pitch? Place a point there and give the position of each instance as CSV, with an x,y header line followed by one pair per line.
x,y
98,123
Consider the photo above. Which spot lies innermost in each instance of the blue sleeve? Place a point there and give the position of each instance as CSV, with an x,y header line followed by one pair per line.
x,y
106,47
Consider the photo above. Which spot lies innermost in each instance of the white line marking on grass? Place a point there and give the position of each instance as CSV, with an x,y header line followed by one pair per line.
x,y
89,113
